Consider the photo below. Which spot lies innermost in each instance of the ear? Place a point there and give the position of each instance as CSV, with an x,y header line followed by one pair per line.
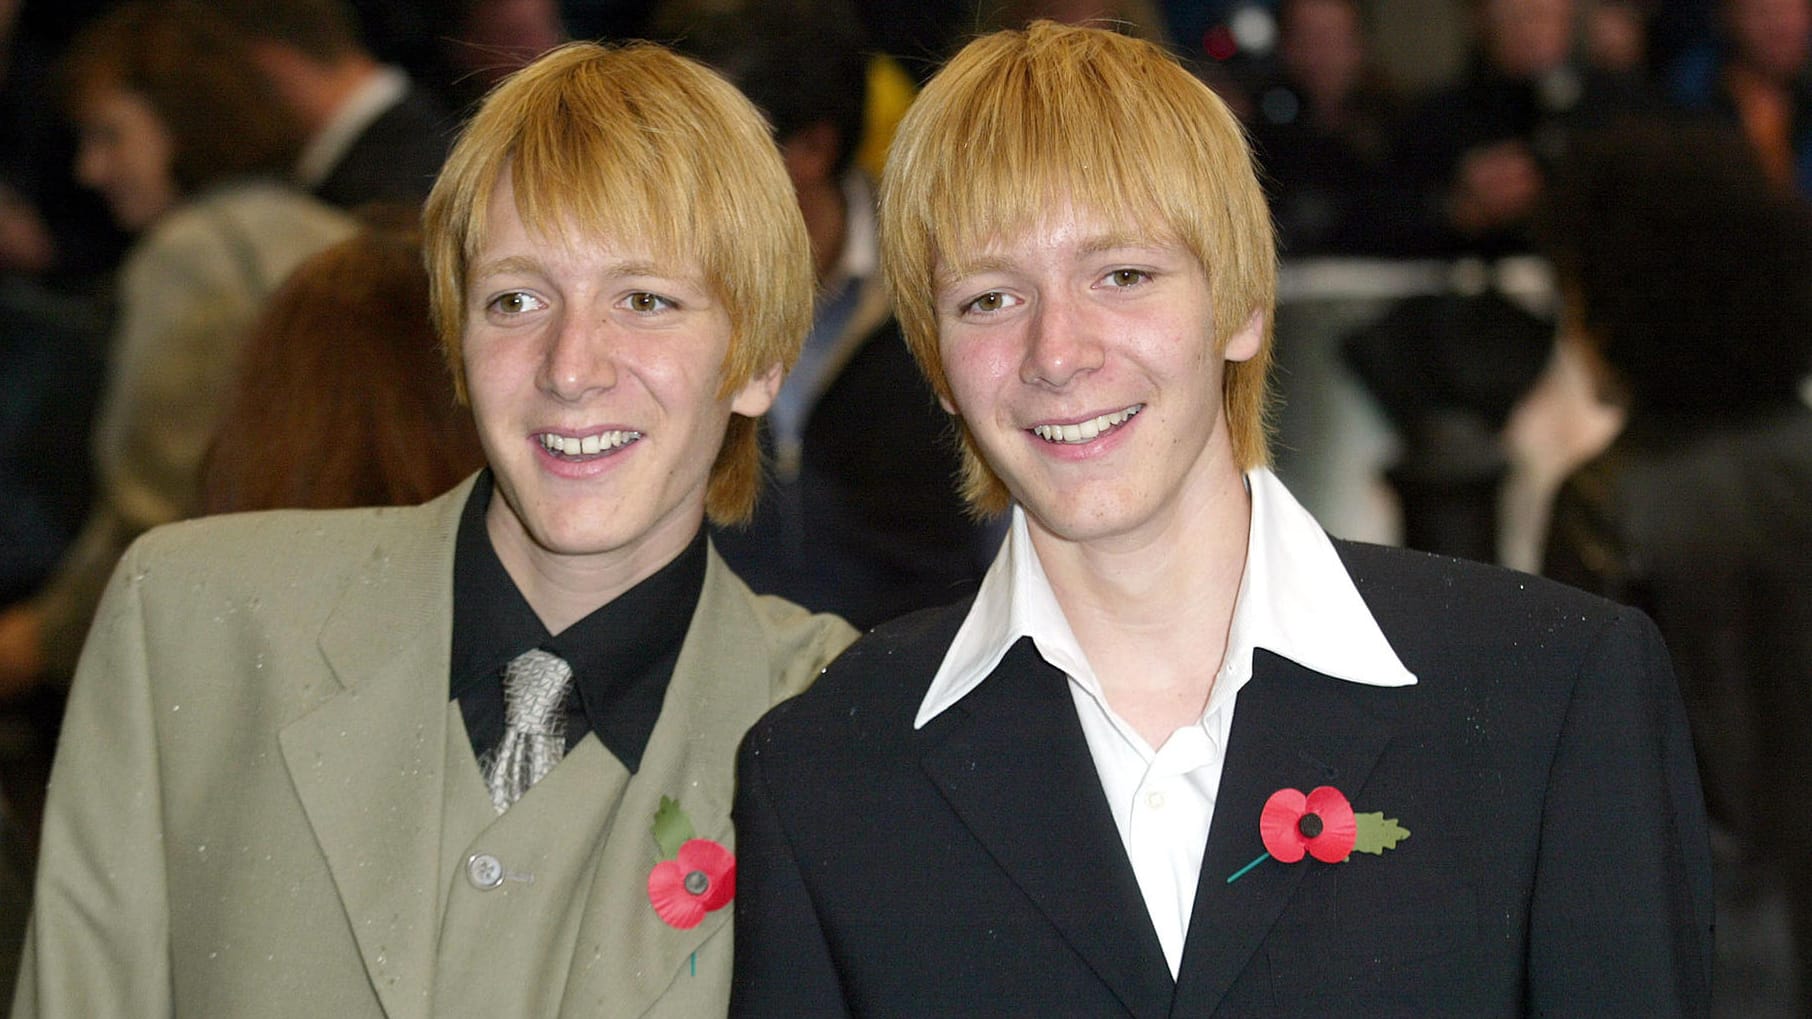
x,y
1243,345
755,396
949,408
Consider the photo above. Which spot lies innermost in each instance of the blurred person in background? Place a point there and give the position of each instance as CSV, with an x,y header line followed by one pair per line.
x,y
50,227
860,514
1476,151
1322,131
185,139
488,40
342,397
1757,75
1614,36
372,134
59,248
1688,277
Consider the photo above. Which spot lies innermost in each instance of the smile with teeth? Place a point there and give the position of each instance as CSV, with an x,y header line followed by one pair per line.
x,y
590,445
1086,431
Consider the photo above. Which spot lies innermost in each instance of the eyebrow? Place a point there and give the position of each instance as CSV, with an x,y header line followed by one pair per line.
x,y
530,265
1096,245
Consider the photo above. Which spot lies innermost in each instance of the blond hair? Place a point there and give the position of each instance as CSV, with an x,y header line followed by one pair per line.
x,y
637,142
1020,122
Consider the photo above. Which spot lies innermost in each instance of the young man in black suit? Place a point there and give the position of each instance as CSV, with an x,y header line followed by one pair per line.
x,y
1082,792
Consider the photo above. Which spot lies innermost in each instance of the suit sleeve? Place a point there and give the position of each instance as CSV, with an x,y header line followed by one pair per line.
x,y
98,942
1621,920
783,962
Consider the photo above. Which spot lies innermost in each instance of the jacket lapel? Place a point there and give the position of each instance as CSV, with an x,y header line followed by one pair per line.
x,y
1292,727
1015,766
721,684
368,763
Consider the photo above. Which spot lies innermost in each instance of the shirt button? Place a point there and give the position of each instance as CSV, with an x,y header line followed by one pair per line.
x,y
484,871
1154,800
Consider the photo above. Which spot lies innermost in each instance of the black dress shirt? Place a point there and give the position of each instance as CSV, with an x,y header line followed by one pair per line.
x,y
622,654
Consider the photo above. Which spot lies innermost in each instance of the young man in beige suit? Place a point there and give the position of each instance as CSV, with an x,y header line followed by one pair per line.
x,y
473,757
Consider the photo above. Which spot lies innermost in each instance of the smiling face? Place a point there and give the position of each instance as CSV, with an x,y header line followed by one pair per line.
x,y
126,153
1082,361
594,373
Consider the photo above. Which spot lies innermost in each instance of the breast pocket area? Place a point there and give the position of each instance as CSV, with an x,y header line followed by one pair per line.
x,y
1414,948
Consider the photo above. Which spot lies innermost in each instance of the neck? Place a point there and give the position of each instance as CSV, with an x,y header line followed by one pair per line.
x,y
564,588
316,91
1152,611
826,223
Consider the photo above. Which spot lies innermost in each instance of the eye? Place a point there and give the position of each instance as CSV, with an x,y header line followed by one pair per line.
x,y
515,302
645,303
988,303
1122,278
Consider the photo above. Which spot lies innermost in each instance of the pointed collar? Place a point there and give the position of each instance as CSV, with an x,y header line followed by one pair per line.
x,y
1296,600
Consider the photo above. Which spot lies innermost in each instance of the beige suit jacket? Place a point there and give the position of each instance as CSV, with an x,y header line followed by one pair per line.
x,y
249,804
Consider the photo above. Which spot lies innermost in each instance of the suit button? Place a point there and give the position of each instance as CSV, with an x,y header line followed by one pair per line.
x,y
484,871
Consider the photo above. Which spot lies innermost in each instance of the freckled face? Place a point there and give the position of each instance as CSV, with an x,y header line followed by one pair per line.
x,y
125,153
593,373
1082,360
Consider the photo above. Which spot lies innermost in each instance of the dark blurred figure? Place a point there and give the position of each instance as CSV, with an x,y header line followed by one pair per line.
x,y
343,397
1448,368
1615,36
482,41
1690,278
59,248
50,228
184,138
860,516
372,135
1322,130
1476,152
1758,76
1141,19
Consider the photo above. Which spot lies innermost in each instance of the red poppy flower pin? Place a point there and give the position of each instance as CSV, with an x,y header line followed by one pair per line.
x,y
694,876
1321,824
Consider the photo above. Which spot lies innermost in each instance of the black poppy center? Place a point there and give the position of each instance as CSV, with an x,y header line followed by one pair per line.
x,y
1310,826
697,882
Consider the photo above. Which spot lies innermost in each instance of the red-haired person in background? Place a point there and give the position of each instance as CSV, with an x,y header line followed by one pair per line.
x,y
343,397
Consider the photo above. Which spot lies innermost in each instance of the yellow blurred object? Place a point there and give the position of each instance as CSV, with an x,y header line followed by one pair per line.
x,y
890,91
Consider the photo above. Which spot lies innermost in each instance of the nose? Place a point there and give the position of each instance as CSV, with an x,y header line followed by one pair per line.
x,y
577,361
1061,344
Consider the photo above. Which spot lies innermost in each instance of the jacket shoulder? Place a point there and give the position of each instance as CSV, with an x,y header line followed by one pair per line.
x,y
1436,608
797,643
272,548
875,685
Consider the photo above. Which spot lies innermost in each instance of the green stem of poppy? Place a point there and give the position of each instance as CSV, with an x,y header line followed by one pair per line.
x,y
1262,857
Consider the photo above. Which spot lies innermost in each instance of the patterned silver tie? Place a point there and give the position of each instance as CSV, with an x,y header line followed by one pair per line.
x,y
534,725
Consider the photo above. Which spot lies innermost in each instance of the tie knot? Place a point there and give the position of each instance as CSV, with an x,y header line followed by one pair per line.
x,y
534,689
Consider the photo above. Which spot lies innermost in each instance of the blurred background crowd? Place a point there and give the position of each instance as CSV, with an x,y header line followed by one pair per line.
x,y
1546,300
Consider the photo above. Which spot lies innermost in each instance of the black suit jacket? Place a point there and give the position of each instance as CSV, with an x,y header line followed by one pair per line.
x,y
1557,864
396,157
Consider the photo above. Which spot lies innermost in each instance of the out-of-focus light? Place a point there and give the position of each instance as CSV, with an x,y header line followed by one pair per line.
x,y
1254,30
1218,43
1280,106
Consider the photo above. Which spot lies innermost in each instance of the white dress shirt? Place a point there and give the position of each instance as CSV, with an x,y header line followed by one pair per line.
x,y
1295,599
